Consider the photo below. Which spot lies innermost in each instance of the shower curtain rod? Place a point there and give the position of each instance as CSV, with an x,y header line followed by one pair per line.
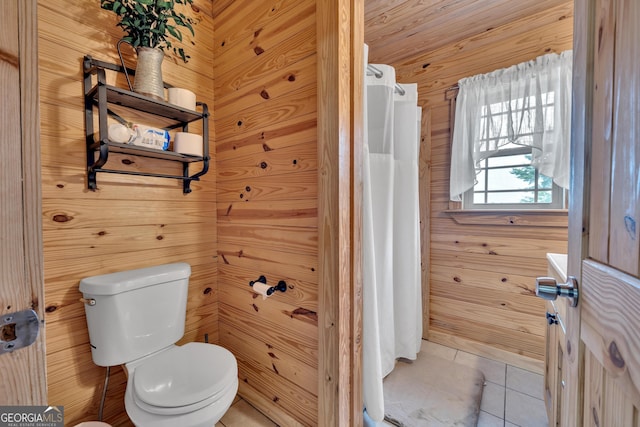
x,y
378,73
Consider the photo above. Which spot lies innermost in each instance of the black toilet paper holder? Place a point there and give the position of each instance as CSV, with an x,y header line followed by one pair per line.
x,y
281,286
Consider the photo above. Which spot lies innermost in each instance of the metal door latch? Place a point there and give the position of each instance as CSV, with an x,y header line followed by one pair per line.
x,y
547,288
18,330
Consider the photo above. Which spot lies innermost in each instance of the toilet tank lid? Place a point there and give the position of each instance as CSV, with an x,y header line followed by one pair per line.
x,y
123,281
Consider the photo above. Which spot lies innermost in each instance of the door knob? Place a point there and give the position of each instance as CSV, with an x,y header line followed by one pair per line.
x,y
547,288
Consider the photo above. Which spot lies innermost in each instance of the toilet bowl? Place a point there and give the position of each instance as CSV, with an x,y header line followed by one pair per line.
x,y
134,319
179,386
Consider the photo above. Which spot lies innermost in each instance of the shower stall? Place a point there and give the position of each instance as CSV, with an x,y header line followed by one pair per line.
x,y
392,301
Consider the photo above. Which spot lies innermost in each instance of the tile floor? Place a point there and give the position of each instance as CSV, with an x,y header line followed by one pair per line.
x,y
512,397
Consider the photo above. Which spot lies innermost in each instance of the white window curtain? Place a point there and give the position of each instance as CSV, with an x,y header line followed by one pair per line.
x,y
526,104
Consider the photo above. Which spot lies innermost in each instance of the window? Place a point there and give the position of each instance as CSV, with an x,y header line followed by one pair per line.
x,y
511,136
508,181
505,177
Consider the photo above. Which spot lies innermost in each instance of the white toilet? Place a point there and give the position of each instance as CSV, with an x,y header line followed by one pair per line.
x,y
135,318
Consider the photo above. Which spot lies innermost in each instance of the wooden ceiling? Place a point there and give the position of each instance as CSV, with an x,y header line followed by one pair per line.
x,y
396,30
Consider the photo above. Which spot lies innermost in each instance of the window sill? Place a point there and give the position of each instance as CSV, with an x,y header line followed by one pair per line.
x,y
513,217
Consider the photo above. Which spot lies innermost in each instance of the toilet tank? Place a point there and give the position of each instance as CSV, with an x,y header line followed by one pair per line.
x,y
136,312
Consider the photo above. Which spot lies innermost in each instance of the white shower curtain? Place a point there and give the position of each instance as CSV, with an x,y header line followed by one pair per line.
x,y
392,312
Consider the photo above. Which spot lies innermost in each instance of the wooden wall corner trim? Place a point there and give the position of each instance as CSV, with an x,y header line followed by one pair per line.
x,y
340,383
357,132
425,215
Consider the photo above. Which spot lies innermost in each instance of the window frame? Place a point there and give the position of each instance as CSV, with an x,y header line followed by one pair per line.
x,y
558,194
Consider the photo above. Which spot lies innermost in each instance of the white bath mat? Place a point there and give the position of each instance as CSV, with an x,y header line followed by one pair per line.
x,y
433,392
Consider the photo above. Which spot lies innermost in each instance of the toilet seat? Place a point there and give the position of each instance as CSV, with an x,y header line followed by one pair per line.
x,y
183,379
177,410
204,417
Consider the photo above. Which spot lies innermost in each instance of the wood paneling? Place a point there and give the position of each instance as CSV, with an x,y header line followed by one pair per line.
x,y
401,29
283,166
131,221
267,200
482,265
490,351
512,43
21,271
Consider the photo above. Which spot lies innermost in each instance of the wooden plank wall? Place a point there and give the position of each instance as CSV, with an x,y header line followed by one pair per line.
x,y
482,267
130,222
265,114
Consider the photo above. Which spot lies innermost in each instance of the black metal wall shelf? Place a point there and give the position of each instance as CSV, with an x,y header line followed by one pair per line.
x,y
99,95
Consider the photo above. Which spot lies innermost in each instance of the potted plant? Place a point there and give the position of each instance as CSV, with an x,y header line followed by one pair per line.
x,y
149,27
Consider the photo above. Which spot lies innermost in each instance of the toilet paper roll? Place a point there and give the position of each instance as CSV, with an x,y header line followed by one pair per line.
x,y
182,97
120,133
261,288
188,143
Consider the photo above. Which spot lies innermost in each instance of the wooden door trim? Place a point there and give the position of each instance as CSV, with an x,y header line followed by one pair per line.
x,y
340,35
32,186
32,183
28,364
579,201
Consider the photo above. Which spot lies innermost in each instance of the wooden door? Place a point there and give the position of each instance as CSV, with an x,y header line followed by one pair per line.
x,y
21,278
602,360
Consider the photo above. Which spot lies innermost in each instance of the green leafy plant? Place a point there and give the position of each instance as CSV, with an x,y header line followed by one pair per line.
x,y
152,23
528,175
